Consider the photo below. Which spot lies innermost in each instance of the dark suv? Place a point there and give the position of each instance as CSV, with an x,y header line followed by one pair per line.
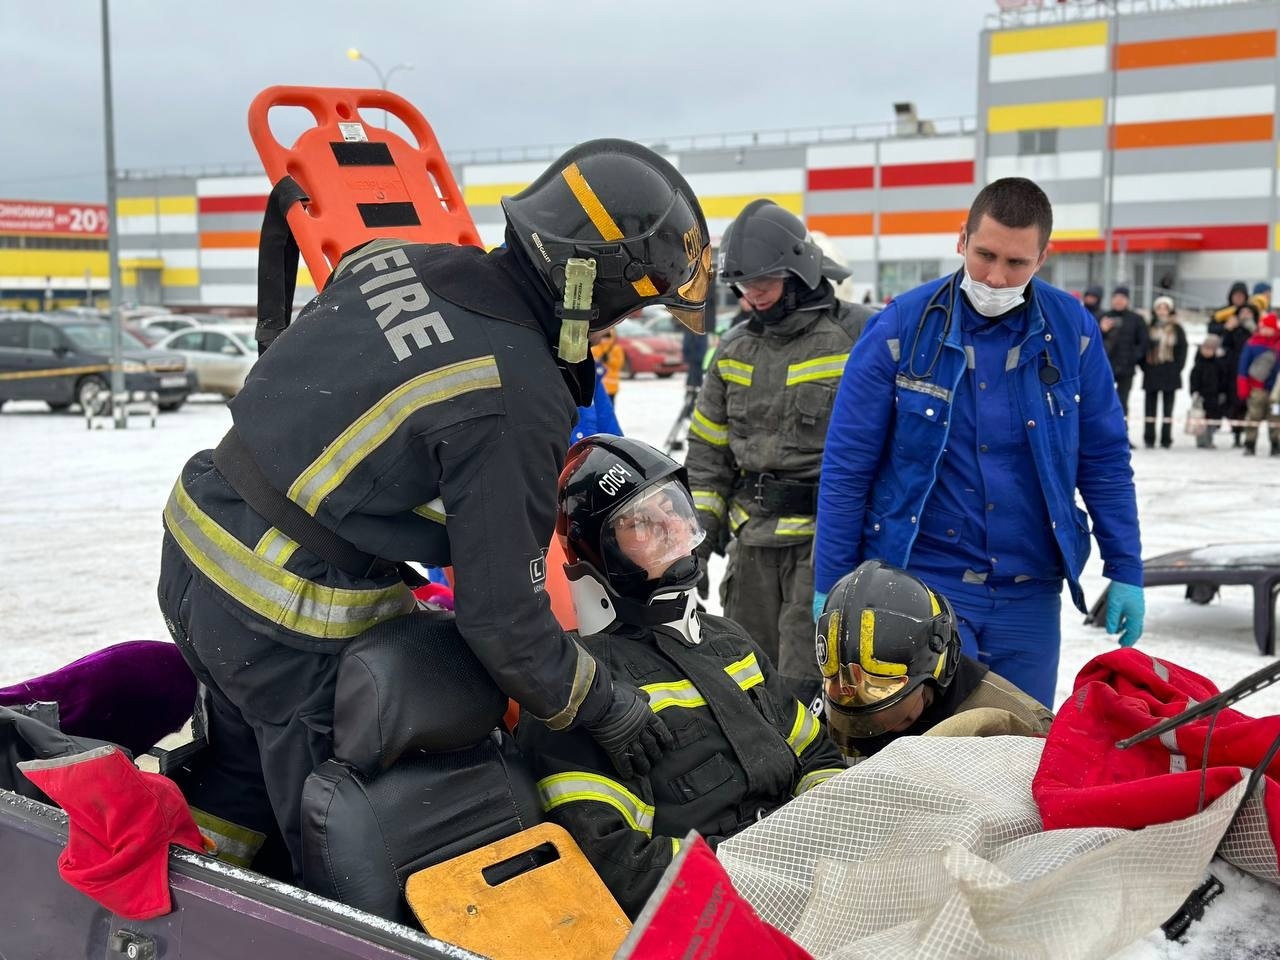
x,y
67,359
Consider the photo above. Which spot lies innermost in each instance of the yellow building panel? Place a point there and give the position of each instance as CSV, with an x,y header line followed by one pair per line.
x,y
150,206
731,206
1046,115
180,277
488,194
64,264
177,204
1075,235
1049,38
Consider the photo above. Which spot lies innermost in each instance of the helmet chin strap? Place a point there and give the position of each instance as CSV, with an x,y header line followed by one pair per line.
x,y
599,608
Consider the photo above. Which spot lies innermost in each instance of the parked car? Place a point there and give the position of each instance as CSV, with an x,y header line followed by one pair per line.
x,y
66,360
660,323
647,352
220,355
163,324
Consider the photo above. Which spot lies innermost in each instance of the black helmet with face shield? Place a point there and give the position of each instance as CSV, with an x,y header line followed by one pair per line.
x,y
631,211
881,635
626,519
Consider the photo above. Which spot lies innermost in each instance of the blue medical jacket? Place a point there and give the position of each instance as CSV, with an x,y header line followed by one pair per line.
x,y
905,448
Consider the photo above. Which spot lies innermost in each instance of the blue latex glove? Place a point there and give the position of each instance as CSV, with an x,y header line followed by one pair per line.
x,y
819,601
1126,608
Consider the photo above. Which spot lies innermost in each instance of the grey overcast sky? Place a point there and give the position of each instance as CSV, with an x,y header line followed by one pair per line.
x,y
486,73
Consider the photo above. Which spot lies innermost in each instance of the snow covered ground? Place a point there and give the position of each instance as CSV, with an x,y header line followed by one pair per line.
x,y
80,536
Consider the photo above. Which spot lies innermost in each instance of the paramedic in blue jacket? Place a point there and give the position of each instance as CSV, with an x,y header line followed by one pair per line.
x,y
971,411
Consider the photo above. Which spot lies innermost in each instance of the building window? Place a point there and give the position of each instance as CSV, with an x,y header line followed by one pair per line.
x,y
899,276
1034,142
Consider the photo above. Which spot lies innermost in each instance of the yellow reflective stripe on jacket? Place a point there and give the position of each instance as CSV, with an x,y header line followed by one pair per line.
x,y
735,371
819,368
803,731
737,516
273,593
709,501
232,843
716,434
433,511
275,547
677,693
579,785
795,527
815,777
745,672
675,847
380,421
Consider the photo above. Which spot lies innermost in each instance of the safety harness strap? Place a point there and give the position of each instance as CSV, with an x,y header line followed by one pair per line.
x,y
277,263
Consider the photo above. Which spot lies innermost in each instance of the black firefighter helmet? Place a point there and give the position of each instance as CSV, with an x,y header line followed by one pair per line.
x,y
626,519
881,634
765,240
630,210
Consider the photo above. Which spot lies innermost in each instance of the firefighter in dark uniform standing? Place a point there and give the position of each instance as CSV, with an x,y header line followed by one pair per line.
x,y
757,433
415,410
743,745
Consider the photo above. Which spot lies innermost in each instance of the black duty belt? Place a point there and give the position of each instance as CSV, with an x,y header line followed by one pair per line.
x,y
775,495
236,463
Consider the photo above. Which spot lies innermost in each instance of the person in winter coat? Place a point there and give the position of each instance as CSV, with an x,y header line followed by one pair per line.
x,y
596,418
1261,297
971,411
889,654
427,383
1125,335
1213,385
1255,379
1092,300
1162,371
1237,297
743,745
759,425
610,359
1235,329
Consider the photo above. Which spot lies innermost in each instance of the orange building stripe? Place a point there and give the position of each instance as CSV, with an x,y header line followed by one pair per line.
x,y
923,221
841,224
1181,51
222,239
1185,133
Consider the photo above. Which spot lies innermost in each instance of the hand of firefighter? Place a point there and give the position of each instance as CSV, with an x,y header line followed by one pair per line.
x,y
1126,609
630,732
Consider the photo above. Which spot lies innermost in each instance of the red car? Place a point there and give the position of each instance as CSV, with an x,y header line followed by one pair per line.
x,y
648,352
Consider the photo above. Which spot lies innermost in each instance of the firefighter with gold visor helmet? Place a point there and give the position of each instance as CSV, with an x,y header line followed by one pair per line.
x,y
889,653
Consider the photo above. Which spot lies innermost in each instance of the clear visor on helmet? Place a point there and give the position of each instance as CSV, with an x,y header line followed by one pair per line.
x,y
652,531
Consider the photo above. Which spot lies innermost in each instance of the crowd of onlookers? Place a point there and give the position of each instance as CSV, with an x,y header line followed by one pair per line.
x,y
1233,379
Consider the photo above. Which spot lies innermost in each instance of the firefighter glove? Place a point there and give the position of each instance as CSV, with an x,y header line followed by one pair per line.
x,y
1126,609
630,732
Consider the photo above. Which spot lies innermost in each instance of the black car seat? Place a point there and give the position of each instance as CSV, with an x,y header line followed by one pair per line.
x,y
421,772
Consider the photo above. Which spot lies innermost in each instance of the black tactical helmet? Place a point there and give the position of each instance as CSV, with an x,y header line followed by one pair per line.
x,y
881,635
630,210
615,487
766,240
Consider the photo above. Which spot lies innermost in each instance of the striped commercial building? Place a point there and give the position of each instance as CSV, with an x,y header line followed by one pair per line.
x,y
1186,100
1188,111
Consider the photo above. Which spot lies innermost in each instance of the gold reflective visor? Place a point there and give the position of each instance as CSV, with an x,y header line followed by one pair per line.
x,y
694,290
854,687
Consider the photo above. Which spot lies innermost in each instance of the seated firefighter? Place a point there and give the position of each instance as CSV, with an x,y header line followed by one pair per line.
x,y
741,744
889,653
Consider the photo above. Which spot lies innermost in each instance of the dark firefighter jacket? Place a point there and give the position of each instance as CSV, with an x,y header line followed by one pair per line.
x,y
764,408
743,747
415,409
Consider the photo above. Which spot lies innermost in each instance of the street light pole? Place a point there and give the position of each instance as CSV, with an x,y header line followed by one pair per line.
x,y
113,234
383,78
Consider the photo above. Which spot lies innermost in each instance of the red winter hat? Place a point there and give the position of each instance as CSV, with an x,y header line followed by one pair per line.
x,y
122,822
1268,324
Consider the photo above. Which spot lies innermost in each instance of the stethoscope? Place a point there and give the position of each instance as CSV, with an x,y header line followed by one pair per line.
x,y
944,299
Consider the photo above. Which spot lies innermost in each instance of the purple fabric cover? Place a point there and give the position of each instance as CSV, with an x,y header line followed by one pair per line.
x,y
131,694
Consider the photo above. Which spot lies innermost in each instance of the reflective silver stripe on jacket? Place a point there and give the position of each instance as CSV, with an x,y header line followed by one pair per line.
x,y
676,693
819,368
579,786
307,608
795,527
803,731
922,386
745,672
583,673
716,434
812,779
377,424
710,502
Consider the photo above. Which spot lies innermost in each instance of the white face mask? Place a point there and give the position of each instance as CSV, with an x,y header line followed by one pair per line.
x,y
991,301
